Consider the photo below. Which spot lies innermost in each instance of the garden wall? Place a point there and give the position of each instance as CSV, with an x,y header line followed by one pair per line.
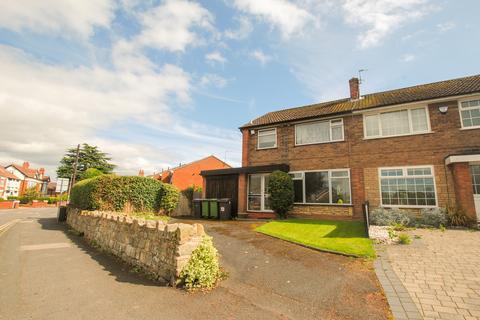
x,y
160,249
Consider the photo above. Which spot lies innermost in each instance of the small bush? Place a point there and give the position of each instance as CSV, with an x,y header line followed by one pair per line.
x,y
169,198
457,217
388,217
12,198
280,186
202,270
434,217
404,238
127,194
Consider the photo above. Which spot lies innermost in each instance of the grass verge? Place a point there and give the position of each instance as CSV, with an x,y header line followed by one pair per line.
x,y
346,237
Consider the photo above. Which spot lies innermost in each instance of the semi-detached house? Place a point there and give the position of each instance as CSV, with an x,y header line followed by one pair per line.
x,y
411,148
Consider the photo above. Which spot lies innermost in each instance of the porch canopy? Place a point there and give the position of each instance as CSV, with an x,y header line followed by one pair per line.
x,y
250,169
456,158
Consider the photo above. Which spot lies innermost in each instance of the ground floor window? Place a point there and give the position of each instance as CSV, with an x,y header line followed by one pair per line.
x,y
322,186
258,196
407,186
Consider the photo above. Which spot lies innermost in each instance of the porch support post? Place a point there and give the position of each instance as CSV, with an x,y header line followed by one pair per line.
x,y
242,192
462,179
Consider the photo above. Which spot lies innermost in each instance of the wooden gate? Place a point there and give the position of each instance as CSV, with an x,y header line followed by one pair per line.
x,y
223,186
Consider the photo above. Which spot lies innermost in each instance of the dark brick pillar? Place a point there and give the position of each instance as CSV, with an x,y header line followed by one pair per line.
x,y
462,181
358,190
242,193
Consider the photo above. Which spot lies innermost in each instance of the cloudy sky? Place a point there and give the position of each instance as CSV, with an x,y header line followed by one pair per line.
x,y
155,83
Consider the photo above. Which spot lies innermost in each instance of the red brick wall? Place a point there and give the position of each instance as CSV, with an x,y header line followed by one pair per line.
x,y
462,180
365,156
189,175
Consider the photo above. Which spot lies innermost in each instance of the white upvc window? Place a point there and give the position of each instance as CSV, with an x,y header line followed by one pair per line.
x,y
319,132
267,138
396,123
470,113
407,187
322,186
258,195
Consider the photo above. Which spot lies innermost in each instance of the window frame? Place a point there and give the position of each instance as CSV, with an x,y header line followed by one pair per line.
x,y
404,176
262,192
460,108
302,172
259,131
410,122
320,121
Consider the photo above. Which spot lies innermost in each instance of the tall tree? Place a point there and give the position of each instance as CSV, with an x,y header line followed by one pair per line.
x,y
89,157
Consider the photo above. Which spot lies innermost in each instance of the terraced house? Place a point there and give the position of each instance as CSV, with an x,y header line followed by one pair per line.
x,y
410,148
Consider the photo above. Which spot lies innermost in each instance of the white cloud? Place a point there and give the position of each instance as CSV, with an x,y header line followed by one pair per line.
x,y
382,17
47,109
242,32
288,17
444,27
58,17
215,57
211,79
260,56
408,57
169,25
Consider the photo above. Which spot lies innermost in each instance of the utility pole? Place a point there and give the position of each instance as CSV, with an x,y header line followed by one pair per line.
x,y
74,175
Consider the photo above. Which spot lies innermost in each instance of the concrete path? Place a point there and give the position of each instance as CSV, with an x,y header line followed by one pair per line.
x,y
440,271
48,273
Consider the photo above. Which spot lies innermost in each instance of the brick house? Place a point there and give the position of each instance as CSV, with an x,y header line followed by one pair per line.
x,y
412,148
9,184
187,175
29,177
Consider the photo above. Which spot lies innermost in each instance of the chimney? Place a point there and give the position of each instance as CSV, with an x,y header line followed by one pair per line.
x,y
25,165
42,172
141,173
354,88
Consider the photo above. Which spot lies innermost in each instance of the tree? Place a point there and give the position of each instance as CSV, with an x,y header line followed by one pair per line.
x,y
91,173
280,186
89,157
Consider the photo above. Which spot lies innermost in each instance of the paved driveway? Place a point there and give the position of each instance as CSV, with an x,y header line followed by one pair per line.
x,y
440,271
47,273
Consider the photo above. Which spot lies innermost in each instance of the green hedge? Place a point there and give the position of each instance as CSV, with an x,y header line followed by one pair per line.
x,y
128,194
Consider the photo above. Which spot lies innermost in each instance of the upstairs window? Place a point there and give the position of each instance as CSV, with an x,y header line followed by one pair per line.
x,y
267,138
319,132
470,113
396,123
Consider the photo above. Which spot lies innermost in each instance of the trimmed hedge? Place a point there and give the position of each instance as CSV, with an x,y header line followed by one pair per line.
x,y
128,194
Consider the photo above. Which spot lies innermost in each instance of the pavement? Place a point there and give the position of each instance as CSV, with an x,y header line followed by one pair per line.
x,y
48,273
437,276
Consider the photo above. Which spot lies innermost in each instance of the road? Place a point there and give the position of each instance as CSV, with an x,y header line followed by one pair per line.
x,y
49,273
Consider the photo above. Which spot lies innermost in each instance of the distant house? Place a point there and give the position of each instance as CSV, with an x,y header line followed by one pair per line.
x,y
9,184
29,177
187,175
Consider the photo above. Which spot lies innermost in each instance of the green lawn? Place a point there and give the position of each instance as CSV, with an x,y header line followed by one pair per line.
x,y
338,236
149,216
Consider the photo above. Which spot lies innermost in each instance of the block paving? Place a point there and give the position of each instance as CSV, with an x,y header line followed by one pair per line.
x,y
439,272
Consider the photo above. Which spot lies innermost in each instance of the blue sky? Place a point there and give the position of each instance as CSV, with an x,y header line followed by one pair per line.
x,y
155,83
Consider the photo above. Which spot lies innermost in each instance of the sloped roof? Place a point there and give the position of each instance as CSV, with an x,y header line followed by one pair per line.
x,y
31,173
7,174
442,89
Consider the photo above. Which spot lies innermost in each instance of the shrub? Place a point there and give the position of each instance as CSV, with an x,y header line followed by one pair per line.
x,y
280,186
387,217
404,238
91,173
128,194
434,217
457,217
169,196
202,270
13,198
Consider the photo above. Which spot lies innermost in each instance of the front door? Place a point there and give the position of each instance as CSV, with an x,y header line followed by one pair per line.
x,y
476,187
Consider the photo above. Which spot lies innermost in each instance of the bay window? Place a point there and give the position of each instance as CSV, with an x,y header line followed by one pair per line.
x,y
396,123
319,132
267,138
470,113
407,186
322,187
258,196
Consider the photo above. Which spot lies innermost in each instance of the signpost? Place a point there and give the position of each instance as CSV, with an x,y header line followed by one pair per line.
x,y
62,185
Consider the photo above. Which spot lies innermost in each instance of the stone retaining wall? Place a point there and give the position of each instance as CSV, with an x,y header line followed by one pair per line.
x,y
158,248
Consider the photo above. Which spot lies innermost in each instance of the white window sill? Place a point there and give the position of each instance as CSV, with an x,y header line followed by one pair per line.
x,y
324,204
313,143
399,135
470,128
407,207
